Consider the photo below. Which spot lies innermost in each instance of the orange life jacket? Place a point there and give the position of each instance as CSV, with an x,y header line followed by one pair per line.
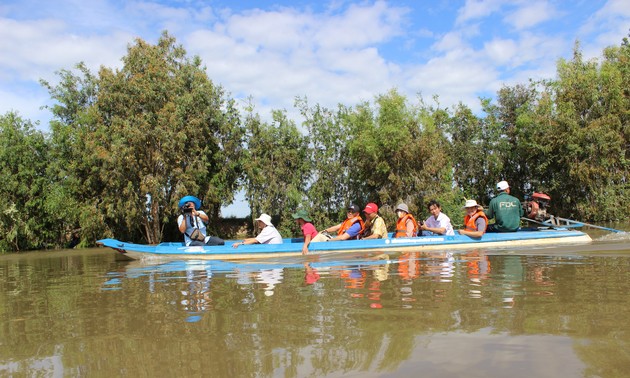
x,y
469,222
409,266
348,223
401,226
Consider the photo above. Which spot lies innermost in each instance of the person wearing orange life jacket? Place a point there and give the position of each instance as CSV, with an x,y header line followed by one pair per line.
x,y
406,225
349,229
475,221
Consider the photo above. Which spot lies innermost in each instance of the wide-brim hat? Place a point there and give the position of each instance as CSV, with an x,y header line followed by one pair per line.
x,y
301,214
266,219
470,203
403,207
192,199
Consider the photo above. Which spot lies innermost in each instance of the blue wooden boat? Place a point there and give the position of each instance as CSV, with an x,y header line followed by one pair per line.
x,y
293,247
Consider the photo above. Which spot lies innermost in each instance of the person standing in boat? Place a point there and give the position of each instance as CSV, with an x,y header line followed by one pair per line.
x,y
475,221
406,225
268,233
375,227
308,230
192,223
438,223
505,209
349,229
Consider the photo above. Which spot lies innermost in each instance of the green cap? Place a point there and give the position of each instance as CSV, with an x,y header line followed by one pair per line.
x,y
302,214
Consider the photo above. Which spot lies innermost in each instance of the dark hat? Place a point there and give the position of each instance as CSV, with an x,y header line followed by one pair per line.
x,y
354,208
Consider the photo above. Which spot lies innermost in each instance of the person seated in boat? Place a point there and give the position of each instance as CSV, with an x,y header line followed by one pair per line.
x,y
268,233
349,229
438,223
505,209
475,221
192,223
375,227
308,230
406,225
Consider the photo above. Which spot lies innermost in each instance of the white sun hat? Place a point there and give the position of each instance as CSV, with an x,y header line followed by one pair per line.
x,y
470,203
266,219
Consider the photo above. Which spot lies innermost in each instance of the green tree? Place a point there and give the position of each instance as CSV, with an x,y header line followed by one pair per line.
x,y
24,185
328,187
75,193
144,136
276,168
476,156
589,136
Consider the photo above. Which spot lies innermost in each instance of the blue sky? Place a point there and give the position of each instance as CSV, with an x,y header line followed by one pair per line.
x,y
332,52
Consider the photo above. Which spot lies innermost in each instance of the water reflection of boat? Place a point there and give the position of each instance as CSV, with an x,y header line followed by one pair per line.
x,y
293,247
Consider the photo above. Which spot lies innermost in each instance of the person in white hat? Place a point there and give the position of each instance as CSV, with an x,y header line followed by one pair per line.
x,y
268,233
475,221
505,209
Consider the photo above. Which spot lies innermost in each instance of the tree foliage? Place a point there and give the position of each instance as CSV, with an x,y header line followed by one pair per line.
x,y
135,140
276,168
126,144
24,186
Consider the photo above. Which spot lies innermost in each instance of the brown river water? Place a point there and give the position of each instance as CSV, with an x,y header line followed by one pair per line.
x,y
547,312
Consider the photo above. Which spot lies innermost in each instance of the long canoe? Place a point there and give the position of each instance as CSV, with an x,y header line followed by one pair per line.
x,y
293,247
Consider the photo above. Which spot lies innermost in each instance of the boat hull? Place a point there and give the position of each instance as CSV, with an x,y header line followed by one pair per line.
x,y
293,247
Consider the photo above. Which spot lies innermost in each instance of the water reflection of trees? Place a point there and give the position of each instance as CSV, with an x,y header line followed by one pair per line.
x,y
351,318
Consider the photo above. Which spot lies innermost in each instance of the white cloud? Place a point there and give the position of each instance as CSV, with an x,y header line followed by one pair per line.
x,y
344,54
36,49
501,51
606,27
531,14
361,26
277,55
475,9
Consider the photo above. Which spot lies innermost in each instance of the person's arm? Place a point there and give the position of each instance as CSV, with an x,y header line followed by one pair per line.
x,y
332,229
343,236
246,241
182,223
480,223
379,230
350,233
409,225
202,215
435,230
307,241
472,234
490,211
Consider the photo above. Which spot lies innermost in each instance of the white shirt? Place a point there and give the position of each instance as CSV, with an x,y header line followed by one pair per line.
x,y
442,221
190,226
269,235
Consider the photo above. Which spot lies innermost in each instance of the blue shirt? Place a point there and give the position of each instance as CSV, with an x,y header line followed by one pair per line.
x,y
354,230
